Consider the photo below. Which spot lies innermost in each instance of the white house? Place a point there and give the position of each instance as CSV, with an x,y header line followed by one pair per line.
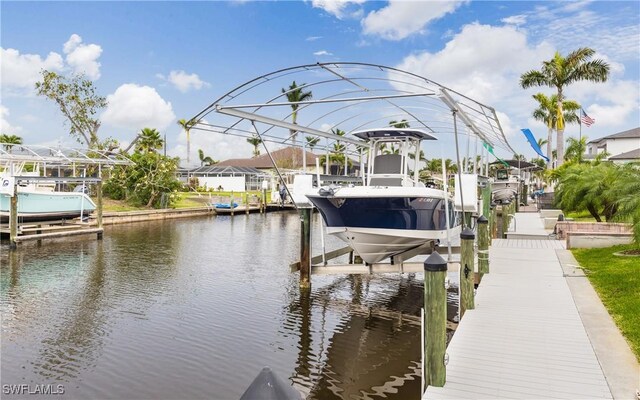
x,y
621,146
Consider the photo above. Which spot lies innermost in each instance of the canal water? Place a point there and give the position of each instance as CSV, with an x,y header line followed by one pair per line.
x,y
195,308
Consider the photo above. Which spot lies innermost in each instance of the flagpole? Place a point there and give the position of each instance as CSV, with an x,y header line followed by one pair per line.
x,y
580,123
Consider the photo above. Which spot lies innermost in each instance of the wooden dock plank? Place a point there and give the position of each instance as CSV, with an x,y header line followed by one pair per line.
x,y
525,338
56,235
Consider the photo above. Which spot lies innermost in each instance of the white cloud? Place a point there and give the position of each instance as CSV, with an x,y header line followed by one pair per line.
x,y
83,58
134,107
218,146
340,8
483,62
5,126
515,20
184,81
400,19
313,38
22,71
322,53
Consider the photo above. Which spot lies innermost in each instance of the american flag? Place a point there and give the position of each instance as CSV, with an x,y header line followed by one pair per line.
x,y
587,120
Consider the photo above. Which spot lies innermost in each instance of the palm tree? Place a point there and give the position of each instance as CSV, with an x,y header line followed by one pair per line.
x,y
149,141
339,148
400,125
559,72
295,95
187,125
575,149
255,142
10,140
547,113
205,160
312,141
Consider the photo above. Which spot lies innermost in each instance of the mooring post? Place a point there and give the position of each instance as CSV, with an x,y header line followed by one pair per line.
x,y
505,219
466,270
264,200
13,219
483,246
435,320
305,244
231,202
246,203
99,207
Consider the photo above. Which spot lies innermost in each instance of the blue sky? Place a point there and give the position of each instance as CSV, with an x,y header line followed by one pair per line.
x,y
161,61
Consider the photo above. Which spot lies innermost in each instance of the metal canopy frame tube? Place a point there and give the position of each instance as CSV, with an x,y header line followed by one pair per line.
x,y
286,125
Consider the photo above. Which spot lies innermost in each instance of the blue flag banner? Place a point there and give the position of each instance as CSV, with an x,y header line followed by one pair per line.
x,y
533,143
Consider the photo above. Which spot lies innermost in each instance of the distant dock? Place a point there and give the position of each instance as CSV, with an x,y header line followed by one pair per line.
x,y
536,330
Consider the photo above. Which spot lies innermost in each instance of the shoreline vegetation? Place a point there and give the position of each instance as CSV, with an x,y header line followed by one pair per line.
x,y
184,200
617,282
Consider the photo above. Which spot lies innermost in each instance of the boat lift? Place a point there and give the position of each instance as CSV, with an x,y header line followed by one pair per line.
x,y
351,97
22,165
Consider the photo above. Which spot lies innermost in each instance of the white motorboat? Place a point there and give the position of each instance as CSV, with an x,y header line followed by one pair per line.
x,y
504,187
394,212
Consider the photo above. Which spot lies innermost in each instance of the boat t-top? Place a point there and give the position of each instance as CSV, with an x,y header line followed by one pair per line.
x,y
393,211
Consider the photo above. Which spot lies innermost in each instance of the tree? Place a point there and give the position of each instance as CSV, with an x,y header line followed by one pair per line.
x,y
78,102
145,182
559,72
187,125
205,160
312,141
400,125
149,141
339,148
546,112
10,140
295,95
575,149
255,141
626,189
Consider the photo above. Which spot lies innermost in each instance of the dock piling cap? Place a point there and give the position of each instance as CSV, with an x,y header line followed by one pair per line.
x,y
435,263
467,234
269,386
483,220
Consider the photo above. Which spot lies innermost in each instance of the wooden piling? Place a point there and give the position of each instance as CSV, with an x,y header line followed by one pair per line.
x,y
435,320
231,203
99,207
466,271
13,219
505,219
264,201
305,247
483,246
246,203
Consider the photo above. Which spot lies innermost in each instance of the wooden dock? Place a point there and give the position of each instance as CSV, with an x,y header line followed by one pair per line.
x,y
525,338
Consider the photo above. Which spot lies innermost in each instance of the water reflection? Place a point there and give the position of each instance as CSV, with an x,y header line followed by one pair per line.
x,y
195,308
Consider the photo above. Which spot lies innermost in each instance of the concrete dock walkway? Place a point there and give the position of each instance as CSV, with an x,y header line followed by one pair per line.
x,y
526,338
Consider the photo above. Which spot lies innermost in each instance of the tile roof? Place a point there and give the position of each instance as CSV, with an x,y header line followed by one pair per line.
x,y
280,156
629,155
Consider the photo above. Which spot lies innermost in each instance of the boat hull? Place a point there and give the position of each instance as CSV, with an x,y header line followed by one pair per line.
x,y
46,206
380,225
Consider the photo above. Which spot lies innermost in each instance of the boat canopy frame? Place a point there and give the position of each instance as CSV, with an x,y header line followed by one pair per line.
x,y
349,96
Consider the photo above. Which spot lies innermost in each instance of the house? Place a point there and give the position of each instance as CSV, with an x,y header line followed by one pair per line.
x,y
622,146
285,158
237,179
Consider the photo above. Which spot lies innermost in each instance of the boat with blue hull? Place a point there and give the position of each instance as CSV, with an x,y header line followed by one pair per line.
x,y
394,212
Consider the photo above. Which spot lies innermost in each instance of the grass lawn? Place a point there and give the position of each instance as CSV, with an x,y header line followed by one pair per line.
x,y
580,216
617,282
109,205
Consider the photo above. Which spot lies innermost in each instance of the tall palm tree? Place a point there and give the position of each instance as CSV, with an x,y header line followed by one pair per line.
x,y
205,160
338,147
10,140
559,72
255,142
149,141
187,125
295,95
547,113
